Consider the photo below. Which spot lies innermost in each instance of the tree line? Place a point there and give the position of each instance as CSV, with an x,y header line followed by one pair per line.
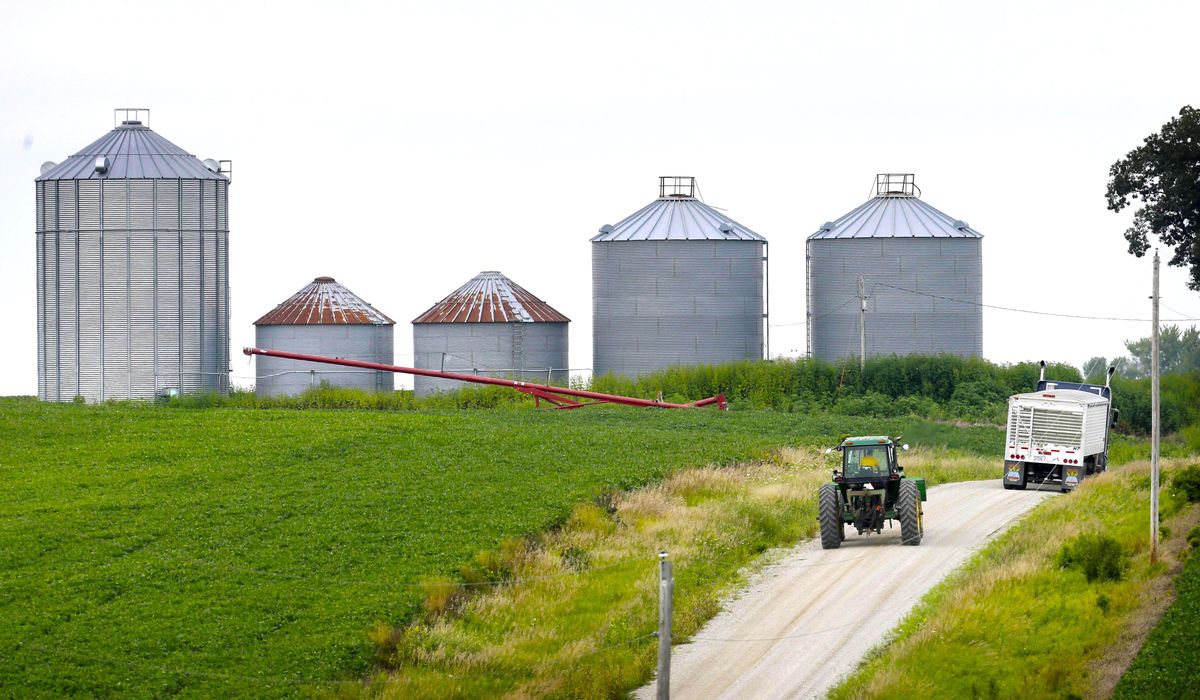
x,y
1178,351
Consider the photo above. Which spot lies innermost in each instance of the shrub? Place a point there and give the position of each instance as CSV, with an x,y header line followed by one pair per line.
x,y
1186,481
1099,557
1193,537
442,594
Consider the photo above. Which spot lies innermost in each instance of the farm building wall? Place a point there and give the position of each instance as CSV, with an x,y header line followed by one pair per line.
x,y
658,303
132,287
370,342
489,349
897,322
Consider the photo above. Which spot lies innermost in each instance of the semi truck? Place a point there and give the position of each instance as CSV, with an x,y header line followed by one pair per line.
x,y
1058,434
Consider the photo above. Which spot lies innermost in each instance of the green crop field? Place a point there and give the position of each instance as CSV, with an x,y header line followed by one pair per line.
x,y
1166,666
150,551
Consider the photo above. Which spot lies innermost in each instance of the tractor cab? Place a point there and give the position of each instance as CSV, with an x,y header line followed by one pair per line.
x,y
869,490
868,460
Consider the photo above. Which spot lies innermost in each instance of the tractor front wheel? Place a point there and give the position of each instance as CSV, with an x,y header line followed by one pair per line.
x,y
829,513
908,511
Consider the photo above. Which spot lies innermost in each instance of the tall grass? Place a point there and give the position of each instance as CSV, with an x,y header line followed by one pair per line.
x,y
326,396
940,387
943,387
575,617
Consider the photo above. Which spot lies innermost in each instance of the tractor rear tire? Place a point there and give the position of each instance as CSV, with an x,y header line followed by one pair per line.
x,y
829,513
908,511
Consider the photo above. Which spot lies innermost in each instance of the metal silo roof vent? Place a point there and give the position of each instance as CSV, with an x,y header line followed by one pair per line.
x,y
726,228
212,165
828,226
606,228
677,187
131,117
48,166
101,164
896,185
961,225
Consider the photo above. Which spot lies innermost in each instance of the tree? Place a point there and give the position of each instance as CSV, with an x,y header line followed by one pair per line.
x,y
1094,368
1164,173
1178,351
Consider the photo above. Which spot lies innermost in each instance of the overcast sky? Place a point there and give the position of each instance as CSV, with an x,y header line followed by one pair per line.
x,y
404,147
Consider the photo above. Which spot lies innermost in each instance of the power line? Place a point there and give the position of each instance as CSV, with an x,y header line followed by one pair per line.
x,y
1174,311
827,313
1027,311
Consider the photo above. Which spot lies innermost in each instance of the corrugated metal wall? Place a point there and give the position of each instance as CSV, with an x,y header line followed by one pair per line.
x,y
276,376
899,323
483,348
662,303
133,294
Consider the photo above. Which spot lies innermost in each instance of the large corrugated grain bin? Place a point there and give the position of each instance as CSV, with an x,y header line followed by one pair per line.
x,y
921,274
676,283
132,269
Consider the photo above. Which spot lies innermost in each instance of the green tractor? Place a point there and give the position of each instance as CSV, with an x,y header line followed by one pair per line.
x,y
869,489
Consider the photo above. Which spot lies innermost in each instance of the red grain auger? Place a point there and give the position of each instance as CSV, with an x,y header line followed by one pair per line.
x,y
557,396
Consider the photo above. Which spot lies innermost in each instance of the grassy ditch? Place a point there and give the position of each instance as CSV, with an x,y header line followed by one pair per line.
x,y
1040,609
576,606
1166,666
214,552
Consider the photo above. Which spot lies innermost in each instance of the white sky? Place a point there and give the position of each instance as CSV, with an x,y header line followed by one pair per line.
x,y
403,147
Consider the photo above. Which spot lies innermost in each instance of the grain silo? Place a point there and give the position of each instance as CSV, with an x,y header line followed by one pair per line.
x,y
132,269
676,283
921,275
490,326
323,318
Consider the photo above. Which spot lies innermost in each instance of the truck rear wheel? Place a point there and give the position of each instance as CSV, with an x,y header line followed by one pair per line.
x,y
908,511
829,513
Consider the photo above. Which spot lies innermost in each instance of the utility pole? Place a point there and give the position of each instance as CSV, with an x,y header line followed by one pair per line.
x,y
666,594
1154,422
862,325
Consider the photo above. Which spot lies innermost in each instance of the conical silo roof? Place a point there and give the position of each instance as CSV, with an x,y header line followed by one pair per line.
x,y
324,302
677,215
896,211
131,150
490,297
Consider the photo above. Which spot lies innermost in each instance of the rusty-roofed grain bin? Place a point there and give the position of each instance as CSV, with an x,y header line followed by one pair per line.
x,y
676,283
323,318
922,274
132,269
494,327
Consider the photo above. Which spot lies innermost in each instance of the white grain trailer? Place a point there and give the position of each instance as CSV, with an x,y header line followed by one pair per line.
x,y
1057,434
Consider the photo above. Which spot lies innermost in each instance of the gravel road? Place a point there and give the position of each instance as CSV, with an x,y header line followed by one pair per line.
x,y
805,621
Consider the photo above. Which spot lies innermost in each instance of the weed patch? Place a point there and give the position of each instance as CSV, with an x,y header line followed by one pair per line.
x,y
1100,557
1186,482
